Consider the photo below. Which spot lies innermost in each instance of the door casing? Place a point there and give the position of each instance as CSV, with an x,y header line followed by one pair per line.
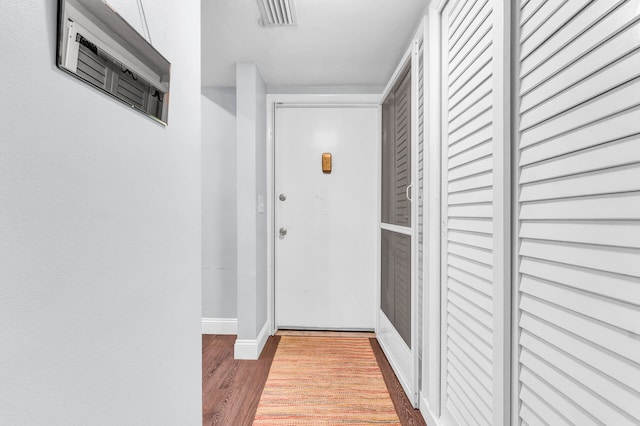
x,y
297,100
405,363
327,260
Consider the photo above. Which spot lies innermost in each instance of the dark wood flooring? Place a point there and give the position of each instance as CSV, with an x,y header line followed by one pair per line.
x,y
406,413
231,388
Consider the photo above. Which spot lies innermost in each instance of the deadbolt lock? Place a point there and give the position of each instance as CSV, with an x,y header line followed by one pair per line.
x,y
282,197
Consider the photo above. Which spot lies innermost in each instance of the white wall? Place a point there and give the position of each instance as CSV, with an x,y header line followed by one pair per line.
x,y
99,234
261,187
252,224
219,272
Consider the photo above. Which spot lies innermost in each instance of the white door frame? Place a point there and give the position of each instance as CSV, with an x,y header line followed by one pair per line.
x,y
321,100
431,318
390,341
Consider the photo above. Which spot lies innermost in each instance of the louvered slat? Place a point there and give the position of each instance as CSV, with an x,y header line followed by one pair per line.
x,y
618,206
402,258
579,215
467,29
552,25
481,148
537,412
615,286
542,15
475,31
479,86
583,21
131,90
468,180
610,363
529,8
540,397
91,67
402,157
585,40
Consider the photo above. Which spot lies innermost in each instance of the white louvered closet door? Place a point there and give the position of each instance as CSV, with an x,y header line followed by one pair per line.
x,y
579,213
473,334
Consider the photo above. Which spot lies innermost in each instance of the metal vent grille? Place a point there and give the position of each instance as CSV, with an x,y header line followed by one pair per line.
x,y
276,13
92,67
101,70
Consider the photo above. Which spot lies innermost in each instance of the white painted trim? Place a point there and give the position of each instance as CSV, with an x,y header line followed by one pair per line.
x,y
434,317
515,215
251,349
406,57
284,100
426,204
328,105
324,99
396,228
501,214
414,226
348,89
437,5
270,208
219,326
397,352
379,233
428,414
442,142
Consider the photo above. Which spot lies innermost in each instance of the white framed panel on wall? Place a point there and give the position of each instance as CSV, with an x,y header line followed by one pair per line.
x,y
475,216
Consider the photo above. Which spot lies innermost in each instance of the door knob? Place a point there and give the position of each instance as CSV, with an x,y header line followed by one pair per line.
x,y
283,232
282,197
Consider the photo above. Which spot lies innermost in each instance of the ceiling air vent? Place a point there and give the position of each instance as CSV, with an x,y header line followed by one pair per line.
x,y
276,13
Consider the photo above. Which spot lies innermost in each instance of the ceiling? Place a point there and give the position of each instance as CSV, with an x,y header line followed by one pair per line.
x,y
336,42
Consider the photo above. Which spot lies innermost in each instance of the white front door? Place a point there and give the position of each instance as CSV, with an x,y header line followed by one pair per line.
x,y
325,223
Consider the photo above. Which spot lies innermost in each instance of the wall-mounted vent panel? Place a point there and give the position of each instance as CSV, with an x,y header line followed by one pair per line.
x,y
100,48
91,67
276,13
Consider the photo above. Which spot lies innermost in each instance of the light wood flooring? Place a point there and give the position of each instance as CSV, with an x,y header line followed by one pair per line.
x,y
231,388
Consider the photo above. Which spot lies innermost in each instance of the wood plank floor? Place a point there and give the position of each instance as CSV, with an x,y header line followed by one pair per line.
x,y
406,413
231,388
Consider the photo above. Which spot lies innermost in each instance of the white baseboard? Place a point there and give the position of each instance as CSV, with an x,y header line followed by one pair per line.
x,y
219,326
427,415
249,348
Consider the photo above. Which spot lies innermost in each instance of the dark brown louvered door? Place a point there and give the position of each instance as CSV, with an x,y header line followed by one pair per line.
x,y
396,155
402,153
396,208
396,279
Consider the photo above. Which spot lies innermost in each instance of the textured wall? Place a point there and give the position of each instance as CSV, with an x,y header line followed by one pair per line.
x,y
219,270
99,233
